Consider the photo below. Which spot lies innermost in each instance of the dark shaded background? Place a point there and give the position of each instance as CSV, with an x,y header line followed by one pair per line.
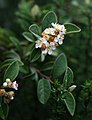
x,y
16,16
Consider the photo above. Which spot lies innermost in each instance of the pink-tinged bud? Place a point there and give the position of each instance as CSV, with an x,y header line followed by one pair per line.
x,y
15,85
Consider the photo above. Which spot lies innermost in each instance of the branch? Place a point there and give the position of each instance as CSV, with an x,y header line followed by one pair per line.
x,y
41,74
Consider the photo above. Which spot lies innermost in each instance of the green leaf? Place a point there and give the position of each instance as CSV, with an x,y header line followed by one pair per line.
x,y
12,55
48,66
28,49
28,36
16,43
68,78
4,109
8,62
71,28
43,90
59,66
35,30
70,102
49,18
12,71
24,69
35,55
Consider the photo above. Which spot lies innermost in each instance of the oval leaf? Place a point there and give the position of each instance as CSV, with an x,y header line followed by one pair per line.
x,y
16,43
68,78
71,28
12,55
6,63
35,55
60,66
43,90
49,18
70,102
29,36
35,30
12,71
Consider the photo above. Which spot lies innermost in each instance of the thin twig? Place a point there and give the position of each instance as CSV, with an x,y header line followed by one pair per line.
x,y
41,74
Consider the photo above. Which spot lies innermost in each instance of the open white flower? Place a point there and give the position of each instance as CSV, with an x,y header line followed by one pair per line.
x,y
49,48
59,27
40,42
44,51
60,41
49,31
52,31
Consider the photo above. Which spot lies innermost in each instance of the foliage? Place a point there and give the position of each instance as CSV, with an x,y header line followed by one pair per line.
x,y
42,78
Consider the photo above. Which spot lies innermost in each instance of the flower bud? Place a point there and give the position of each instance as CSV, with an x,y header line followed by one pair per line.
x,y
72,88
2,92
15,85
5,84
8,80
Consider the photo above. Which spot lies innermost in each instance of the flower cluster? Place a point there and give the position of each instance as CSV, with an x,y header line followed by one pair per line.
x,y
51,37
8,96
8,83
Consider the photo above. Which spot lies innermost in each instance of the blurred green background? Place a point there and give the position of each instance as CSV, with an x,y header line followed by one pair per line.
x,y
15,17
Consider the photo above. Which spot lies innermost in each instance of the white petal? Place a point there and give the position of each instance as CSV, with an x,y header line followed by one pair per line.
x,y
46,31
56,39
15,85
49,52
52,24
54,47
47,44
36,46
58,36
44,41
52,43
60,42
44,51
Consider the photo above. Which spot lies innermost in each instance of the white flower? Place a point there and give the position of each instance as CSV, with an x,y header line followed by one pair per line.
x,y
44,51
8,80
59,27
49,31
71,88
60,41
49,48
15,85
52,31
40,42
5,84
46,37
52,45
